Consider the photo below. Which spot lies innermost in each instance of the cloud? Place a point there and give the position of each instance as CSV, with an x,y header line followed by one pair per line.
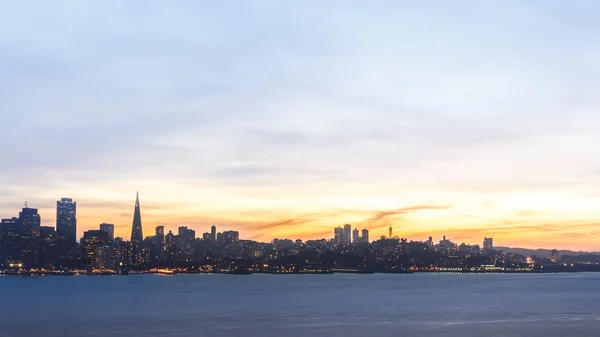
x,y
212,111
405,210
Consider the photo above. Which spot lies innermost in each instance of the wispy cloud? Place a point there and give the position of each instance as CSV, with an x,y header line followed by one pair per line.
x,y
220,109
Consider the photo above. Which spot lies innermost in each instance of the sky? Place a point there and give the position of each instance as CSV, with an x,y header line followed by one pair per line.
x,y
286,119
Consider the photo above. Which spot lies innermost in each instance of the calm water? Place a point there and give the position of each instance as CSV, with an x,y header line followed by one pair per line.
x,y
302,305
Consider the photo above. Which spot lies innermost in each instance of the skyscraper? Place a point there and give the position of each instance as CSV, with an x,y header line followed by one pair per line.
x,y
338,235
136,229
390,234
355,236
110,229
11,240
213,233
66,220
31,240
31,221
365,236
488,246
347,233
159,237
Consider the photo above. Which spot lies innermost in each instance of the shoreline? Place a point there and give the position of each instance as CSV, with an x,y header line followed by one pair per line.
x,y
43,274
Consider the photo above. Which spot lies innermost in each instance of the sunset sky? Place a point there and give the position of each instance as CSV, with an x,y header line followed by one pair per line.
x,y
289,118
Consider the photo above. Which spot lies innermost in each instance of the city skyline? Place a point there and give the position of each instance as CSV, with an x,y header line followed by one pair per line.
x,y
465,119
344,234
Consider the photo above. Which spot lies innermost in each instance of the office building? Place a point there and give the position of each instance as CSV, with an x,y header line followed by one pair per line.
x,y
137,236
31,241
90,243
110,229
213,233
31,221
66,220
11,240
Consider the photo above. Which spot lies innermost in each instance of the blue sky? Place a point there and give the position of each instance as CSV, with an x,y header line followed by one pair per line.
x,y
255,113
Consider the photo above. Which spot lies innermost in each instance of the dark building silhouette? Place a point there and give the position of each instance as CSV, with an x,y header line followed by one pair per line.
x,y
11,238
365,236
31,221
355,236
31,241
488,246
47,232
92,243
554,257
347,234
110,229
213,233
137,236
66,220
338,235
159,236
228,237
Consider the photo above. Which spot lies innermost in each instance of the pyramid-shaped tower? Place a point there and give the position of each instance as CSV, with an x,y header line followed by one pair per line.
x,y
136,228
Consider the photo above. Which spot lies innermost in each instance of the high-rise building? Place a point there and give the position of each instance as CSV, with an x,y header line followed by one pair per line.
x,y
488,246
137,235
355,236
31,221
110,229
159,235
66,220
11,240
92,241
213,233
347,234
31,240
365,236
338,235
390,232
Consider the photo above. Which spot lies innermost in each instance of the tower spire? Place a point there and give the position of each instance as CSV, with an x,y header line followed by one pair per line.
x,y
136,228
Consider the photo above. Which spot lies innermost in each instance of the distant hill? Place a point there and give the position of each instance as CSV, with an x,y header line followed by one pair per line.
x,y
539,252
